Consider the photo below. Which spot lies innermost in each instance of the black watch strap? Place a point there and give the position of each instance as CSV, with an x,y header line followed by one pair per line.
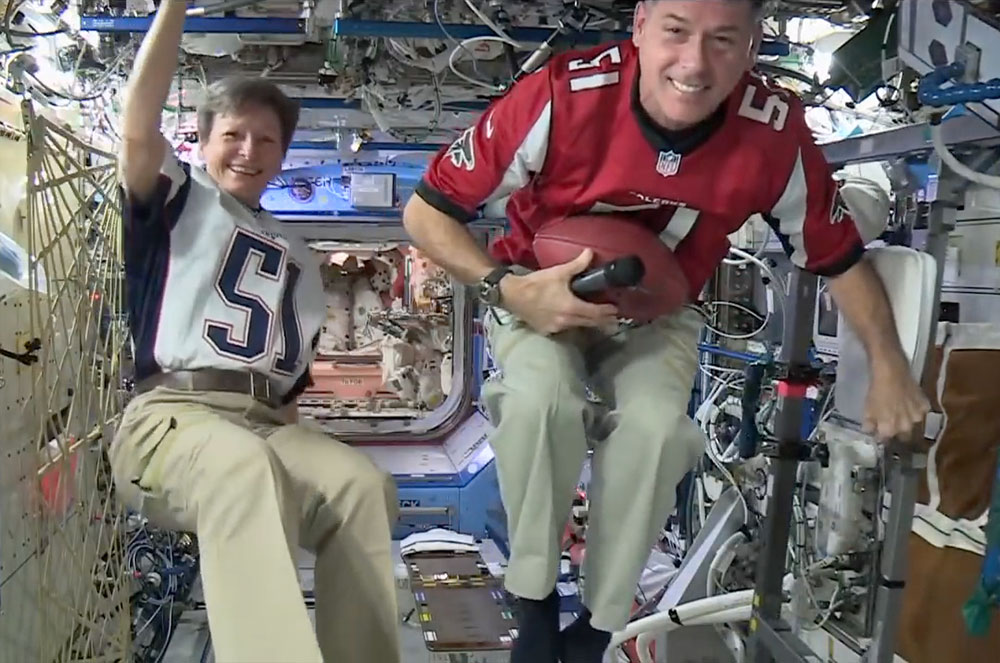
x,y
494,277
489,286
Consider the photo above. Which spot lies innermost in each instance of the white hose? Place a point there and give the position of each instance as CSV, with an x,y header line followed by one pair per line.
x,y
720,563
960,168
721,560
746,259
765,269
685,613
707,416
461,47
740,614
492,25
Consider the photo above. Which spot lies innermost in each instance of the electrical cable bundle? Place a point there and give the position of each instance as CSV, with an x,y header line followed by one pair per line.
x,y
165,566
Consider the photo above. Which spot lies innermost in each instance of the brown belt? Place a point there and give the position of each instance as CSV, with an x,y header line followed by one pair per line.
x,y
260,387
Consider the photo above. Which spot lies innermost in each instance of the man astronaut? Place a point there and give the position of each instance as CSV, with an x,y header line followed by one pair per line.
x,y
675,128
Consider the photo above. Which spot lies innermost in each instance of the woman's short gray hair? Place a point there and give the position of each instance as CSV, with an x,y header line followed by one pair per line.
x,y
235,93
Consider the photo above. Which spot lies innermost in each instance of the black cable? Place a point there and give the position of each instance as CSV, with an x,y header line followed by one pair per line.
x,y
62,95
18,49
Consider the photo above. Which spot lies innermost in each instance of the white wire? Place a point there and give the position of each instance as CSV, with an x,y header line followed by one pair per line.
x,y
718,568
149,621
773,283
721,560
737,262
829,612
732,480
707,368
708,412
731,453
704,410
404,53
764,267
782,292
492,25
992,181
721,369
170,627
722,302
464,77
740,337
720,456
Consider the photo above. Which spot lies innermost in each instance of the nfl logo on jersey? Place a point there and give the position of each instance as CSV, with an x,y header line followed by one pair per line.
x,y
668,164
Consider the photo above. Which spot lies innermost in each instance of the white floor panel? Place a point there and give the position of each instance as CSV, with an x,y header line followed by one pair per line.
x,y
190,643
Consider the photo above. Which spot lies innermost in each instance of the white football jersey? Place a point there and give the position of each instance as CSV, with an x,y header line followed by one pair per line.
x,y
212,283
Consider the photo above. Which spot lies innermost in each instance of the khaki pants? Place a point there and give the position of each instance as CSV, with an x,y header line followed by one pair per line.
x,y
253,490
540,408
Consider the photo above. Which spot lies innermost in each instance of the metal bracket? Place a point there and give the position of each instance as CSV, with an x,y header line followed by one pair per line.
x,y
784,645
968,55
29,356
770,640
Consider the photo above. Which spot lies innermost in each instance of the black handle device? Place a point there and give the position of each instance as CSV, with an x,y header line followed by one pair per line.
x,y
622,272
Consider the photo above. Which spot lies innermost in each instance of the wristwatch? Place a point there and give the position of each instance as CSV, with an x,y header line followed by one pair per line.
x,y
489,286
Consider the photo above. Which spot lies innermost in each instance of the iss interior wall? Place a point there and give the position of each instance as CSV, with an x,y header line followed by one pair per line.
x,y
48,595
19,569
972,270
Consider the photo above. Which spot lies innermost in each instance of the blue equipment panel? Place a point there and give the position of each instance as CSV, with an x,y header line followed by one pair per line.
x,y
206,24
325,190
451,484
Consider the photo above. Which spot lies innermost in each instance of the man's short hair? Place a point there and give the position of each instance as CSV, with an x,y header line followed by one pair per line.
x,y
758,6
235,93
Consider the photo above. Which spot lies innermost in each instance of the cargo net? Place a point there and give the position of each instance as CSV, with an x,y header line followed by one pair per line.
x,y
66,591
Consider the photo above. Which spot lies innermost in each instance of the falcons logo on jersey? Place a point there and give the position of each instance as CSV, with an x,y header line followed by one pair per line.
x,y
462,152
839,210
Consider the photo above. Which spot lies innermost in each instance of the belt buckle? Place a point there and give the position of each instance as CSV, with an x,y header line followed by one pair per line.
x,y
264,397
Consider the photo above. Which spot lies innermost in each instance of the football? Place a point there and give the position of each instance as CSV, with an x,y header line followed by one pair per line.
x,y
663,288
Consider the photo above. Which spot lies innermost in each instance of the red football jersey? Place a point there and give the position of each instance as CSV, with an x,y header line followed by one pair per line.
x,y
572,138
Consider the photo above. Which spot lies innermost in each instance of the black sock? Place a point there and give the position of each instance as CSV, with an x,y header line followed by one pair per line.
x,y
538,630
582,643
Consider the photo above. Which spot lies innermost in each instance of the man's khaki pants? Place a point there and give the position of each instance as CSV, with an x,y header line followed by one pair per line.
x,y
539,405
253,490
